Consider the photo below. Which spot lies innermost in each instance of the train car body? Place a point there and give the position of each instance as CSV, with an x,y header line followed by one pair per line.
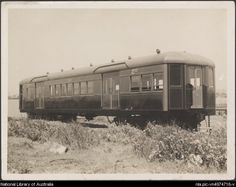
x,y
167,84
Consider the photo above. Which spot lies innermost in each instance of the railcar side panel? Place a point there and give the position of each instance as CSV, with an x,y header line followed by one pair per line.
x,y
73,102
175,86
142,101
110,90
148,91
39,95
205,85
211,88
28,96
146,85
73,93
142,70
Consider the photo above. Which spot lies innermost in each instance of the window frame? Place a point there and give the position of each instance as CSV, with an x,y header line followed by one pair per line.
x,y
151,82
59,90
63,89
51,90
211,80
180,76
128,88
140,82
90,93
27,93
157,83
86,84
70,91
78,88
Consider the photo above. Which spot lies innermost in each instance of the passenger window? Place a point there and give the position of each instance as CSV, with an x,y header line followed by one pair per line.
x,y
124,86
84,88
51,90
31,93
105,86
97,86
58,89
146,82
90,87
76,88
158,81
27,93
135,83
70,89
64,90
37,91
54,87
175,75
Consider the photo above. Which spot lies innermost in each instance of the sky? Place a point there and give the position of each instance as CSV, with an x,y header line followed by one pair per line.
x,y
48,40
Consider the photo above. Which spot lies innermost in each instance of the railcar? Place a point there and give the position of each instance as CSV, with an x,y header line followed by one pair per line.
x,y
163,86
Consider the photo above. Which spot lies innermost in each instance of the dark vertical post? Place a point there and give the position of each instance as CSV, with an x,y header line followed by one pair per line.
x,y
209,124
209,121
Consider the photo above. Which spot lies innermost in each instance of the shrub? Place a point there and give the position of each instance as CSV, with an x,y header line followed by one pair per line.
x,y
71,134
171,143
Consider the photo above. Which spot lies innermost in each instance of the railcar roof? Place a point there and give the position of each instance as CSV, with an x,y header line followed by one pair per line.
x,y
162,58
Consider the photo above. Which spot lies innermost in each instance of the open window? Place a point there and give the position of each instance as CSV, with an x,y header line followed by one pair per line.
x,y
146,82
58,90
135,83
158,81
52,90
194,86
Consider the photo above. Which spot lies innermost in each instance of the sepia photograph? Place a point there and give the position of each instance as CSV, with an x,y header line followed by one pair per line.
x,y
118,90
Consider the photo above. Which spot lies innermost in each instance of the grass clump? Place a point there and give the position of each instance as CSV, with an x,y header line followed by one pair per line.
x,y
164,143
68,134
171,143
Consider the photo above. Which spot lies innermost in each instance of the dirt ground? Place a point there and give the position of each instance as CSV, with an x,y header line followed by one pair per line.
x,y
105,158
27,156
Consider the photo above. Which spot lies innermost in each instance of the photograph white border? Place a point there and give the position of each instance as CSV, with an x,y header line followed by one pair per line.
x,y
229,6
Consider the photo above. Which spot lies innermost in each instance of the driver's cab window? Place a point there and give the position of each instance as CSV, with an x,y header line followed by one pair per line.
x,y
194,76
210,77
191,76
